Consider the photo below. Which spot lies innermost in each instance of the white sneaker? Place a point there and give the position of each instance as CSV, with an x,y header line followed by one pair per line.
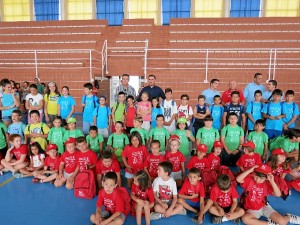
x,y
271,222
18,175
5,170
294,219
155,216
182,212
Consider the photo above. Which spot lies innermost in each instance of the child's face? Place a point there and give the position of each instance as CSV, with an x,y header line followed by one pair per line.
x,y
25,85
233,120
33,91
52,153
65,92
270,86
259,127
137,124
121,98
34,150
109,185
246,151
83,147
235,98
161,172
218,150
276,97
7,88
144,97
174,145
129,102
57,123
257,97
51,87
182,126
297,139
201,101
160,121
71,126
34,118
107,162
193,178
289,98
135,141
87,91
17,142
184,101
200,155
259,179
93,133
102,101
217,101
70,147
154,102
208,124
15,117
281,159
168,95
135,181
118,127
155,148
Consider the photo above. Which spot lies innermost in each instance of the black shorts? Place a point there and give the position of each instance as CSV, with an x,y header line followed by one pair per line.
x,y
226,209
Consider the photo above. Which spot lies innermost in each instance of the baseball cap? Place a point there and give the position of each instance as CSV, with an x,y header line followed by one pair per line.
x,y
202,148
218,144
296,184
182,120
249,144
174,137
264,168
278,151
51,147
71,120
70,140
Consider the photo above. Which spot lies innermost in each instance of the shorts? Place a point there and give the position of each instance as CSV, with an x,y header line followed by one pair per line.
x,y
273,133
226,209
103,132
67,175
177,175
195,205
105,214
129,175
51,117
6,119
86,126
265,211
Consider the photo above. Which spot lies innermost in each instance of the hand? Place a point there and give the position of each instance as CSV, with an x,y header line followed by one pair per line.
x,y
285,127
30,168
188,133
140,202
165,205
82,104
252,168
264,157
270,177
167,213
60,176
272,118
227,215
71,179
194,196
98,218
221,211
129,169
47,119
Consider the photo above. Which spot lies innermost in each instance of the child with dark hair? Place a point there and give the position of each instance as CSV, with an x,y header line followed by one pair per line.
x,y
56,134
137,122
144,109
249,158
34,101
66,105
213,158
16,127
86,158
95,140
130,113
51,102
118,110
102,117
185,109
169,108
217,111
156,110
200,112
253,110
292,111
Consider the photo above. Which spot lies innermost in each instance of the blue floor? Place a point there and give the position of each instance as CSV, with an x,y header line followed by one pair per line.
x,y
26,203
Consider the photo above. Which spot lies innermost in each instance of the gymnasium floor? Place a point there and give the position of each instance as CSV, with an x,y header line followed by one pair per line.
x,y
27,203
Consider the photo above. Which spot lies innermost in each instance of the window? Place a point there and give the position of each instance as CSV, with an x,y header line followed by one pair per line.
x,y
209,8
143,9
46,9
245,8
16,10
175,9
282,8
112,10
79,9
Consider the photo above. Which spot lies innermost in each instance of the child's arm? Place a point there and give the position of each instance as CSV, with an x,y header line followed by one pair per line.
x,y
232,208
240,178
8,155
189,197
60,170
190,136
293,154
225,146
119,179
21,160
164,205
71,113
286,126
98,216
113,115
58,109
137,200
244,121
224,118
276,190
171,120
182,170
16,98
99,181
264,156
219,208
95,120
74,174
101,146
201,211
250,117
126,164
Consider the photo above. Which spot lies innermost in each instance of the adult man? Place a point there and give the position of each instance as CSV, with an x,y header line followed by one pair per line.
x,y
226,96
125,87
152,89
212,91
40,87
252,87
267,95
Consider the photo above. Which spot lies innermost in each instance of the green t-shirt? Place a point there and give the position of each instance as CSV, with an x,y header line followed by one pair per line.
x,y
284,143
94,142
232,136
184,147
160,134
55,136
259,139
119,112
40,89
208,137
3,143
73,133
118,140
143,132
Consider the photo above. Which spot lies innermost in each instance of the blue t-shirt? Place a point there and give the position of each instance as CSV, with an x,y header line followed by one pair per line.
x,y
154,113
8,100
274,109
102,114
90,104
209,95
292,110
267,95
235,108
17,128
254,108
250,89
216,112
65,104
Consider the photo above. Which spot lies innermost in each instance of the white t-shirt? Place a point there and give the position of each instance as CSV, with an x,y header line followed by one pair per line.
x,y
187,110
36,159
165,190
34,100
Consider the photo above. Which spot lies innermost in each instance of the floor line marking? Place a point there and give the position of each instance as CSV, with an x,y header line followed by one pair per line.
x,y
7,181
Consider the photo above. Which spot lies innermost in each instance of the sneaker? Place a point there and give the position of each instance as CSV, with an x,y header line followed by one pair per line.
x,y
18,175
155,216
216,219
5,170
293,218
237,221
195,221
182,212
271,222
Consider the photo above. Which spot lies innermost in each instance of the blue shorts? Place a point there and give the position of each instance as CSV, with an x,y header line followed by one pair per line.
x,y
273,133
195,205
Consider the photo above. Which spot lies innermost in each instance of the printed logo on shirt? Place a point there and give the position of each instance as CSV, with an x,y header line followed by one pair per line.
x,y
164,192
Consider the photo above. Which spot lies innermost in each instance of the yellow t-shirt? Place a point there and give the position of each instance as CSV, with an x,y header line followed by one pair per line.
x,y
52,106
37,128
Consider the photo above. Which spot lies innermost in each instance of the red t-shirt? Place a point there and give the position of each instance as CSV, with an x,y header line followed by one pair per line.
x,y
86,158
200,164
112,202
214,161
53,164
151,162
176,159
189,189
280,170
70,161
135,157
223,199
143,195
247,161
226,96
130,115
255,200
102,169
22,150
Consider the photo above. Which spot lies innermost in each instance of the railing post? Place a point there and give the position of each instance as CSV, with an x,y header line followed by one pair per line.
x,y
270,65
274,63
36,64
145,60
206,67
91,69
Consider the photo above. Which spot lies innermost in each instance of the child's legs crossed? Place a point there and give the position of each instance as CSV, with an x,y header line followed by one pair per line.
x,y
251,217
189,205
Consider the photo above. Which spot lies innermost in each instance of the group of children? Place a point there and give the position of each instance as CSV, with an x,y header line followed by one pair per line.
x,y
155,142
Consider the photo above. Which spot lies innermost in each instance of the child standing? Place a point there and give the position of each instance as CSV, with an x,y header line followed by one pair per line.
x,y
66,105
253,110
16,127
51,100
144,110
130,113
156,110
213,158
72,131
102,117
34,101
165,194
137,122
118,111
133,156
217,111
292,111
260,139
169,108
200,112
142,196
186,109
95,140
56,134
199,161
249,158
89,102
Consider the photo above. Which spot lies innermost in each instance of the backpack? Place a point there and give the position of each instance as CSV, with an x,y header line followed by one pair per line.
x,y
261,107
85,185
208,178
227,171
95,101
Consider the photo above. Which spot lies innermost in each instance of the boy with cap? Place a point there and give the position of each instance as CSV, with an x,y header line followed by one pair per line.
x,y
199,161
249,158
256,190
72,130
